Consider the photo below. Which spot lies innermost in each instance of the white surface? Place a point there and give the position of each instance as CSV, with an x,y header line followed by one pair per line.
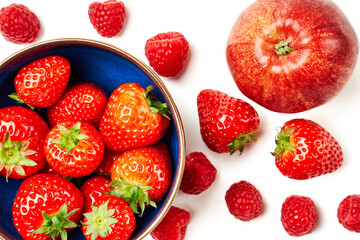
x,y
206,25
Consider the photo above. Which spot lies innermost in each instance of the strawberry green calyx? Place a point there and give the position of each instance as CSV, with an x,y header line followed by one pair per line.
x,y
239,142
70,137
134,195
17,98
13,155
55,225
283,142
155,105
99,221
282,48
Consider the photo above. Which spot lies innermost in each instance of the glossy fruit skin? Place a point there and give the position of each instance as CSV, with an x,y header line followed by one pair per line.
x,y
107,17
222,118
83,101
173,226
299,215
199,174
93,191
42,82
82,159
43,192
18,24
150,166
24,125
317,151
348,213
244,201
128,122
107,162
167,53
326,53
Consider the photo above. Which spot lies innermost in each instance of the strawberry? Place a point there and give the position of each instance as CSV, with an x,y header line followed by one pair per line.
x,y
149,175
46,207
167,53
173,225
298,215
306,150
107,162
198,175
18,24
133,118
107,17
226,123
22,133
94,189
244,201
348,213
83,101
42,82
74,148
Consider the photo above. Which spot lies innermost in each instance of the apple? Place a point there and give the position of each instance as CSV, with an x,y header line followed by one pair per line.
x,y
290,56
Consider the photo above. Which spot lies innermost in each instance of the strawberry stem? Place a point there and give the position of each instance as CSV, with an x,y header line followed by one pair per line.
x,y
155,105
283,142
239,142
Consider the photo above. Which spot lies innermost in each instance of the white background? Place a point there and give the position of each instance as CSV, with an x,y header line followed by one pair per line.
x,y
206,25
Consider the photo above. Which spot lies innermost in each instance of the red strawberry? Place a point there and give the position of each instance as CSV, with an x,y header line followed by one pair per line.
x,y
107,162
93,190
42,82
46,206
167,53
199,174
348,213
298,215
149,174
226,123
74,148
108,17
133,118
173,225
244,201
18,24
81,102
306,150
22,133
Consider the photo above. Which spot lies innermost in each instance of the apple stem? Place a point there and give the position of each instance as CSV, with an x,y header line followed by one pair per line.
x,y
283,48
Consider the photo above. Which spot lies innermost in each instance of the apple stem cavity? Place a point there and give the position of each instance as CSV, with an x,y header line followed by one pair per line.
x,y
282,48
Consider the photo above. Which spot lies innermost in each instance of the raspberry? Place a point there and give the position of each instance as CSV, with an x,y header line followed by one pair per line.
x,y
107,17
244,201
298,215
348,213
173,226
18,24
199,174
167,53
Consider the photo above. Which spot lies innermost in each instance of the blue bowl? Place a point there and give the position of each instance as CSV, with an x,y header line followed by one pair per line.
x,y
109,67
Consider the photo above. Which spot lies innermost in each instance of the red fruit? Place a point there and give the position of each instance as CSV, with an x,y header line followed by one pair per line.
x,y
82,102
167,53
298,215
74,148
42,82
107,17
93,191
244,201
199,174
289,57
18,24
173,225
107,162
306,150
133,118
348,213
226,123
22,133
40,199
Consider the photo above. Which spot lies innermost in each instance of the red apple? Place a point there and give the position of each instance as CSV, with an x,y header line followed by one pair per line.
x,y
291,55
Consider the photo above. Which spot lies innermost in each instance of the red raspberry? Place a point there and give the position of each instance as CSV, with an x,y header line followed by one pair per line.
x,y
199,174
173,226
108,17
244,201
167,53
18,24
298,215
348,213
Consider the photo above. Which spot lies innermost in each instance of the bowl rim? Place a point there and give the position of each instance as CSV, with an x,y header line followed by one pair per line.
x,y
154,77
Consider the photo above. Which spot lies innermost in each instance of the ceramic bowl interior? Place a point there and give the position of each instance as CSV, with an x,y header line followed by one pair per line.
x,y
108,67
